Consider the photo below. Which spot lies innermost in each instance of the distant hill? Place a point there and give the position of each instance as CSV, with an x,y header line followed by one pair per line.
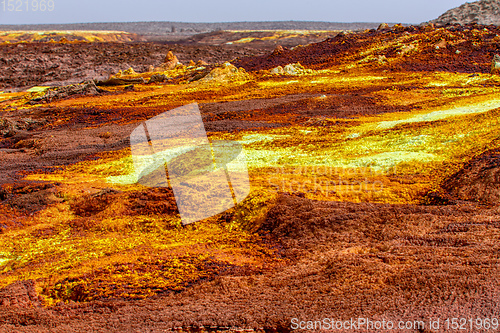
x,y
185,29
484,12
60,36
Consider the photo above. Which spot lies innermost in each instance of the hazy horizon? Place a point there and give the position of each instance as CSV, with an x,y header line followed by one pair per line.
x,y
220,11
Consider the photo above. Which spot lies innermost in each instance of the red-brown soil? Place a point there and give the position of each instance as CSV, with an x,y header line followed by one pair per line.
x,y
476,50
261,39
30,64
393,262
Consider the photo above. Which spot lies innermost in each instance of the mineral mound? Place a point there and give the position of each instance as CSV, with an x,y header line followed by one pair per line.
x,y
226,72
170,62
463,49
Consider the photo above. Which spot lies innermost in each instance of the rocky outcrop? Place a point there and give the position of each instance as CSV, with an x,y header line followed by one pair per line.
x,y
114,81
85,88
278,50
495,64
169,63
226,73
484,12
129,71
290,69
383,26
158,78
10,127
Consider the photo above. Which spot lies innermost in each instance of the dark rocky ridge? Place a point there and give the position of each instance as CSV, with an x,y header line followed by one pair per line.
x,y
166,27
178,30
484,12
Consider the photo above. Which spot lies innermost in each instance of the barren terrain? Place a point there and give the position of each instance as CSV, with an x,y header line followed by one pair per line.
x,y
374,170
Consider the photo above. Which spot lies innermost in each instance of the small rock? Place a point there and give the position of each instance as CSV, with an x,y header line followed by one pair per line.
x,y
278,50
427,27
129,71
27,143
294,69
441,44
495,64
277,70
158,78
290,69
170,61
226,72
383,26
104,135
398,27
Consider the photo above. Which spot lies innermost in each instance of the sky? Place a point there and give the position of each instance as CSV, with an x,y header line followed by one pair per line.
x,y
83,11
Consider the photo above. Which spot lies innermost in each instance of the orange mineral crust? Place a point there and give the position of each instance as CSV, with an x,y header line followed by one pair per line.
x,y
374,170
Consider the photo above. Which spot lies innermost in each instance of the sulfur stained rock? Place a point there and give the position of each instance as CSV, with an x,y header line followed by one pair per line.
x,y
170,61
277,70
278,50
290,69
440,45
294,69
170,57
398,27
428,27
226,72
129,71
383,26
495,64
379,59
